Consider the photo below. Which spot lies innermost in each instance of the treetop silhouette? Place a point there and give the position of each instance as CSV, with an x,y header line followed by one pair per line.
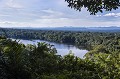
x,y
94,6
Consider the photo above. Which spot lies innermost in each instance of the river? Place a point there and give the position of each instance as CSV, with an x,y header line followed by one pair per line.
x,y
62,49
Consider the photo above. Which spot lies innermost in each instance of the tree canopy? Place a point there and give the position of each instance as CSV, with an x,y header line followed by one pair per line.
x,y
94,6
19,61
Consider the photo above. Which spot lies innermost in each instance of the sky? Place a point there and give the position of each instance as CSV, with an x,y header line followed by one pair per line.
x,y
51,13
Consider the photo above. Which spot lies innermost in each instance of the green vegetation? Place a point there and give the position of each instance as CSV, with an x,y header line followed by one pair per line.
x,y
94,6
88,40
18,61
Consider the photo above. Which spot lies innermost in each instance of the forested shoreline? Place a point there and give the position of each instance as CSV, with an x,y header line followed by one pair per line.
x,y
19,61
41,61
87,40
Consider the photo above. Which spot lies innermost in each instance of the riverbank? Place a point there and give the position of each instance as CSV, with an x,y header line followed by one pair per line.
x,y
62,49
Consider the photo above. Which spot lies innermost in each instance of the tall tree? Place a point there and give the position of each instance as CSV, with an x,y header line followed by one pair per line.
x,y
94,6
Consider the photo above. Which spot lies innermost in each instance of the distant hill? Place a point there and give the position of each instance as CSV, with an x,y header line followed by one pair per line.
x,y
90,29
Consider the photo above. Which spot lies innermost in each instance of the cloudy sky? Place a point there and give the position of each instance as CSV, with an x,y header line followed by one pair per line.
x,y
51,13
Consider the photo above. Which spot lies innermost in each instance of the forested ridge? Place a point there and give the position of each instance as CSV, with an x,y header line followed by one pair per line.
x,y
111,40
18,61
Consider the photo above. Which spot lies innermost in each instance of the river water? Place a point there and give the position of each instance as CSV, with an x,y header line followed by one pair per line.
x,y
62,49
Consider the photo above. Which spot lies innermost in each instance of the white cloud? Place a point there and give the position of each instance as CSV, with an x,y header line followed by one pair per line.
x,y
4,15
13,4
50,11
113,14
98,15
7,22
58,23
50,14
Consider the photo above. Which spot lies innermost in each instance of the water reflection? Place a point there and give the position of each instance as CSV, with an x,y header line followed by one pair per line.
x,y
62,49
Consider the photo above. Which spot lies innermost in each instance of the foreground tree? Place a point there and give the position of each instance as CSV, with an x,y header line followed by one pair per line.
x,y
94,6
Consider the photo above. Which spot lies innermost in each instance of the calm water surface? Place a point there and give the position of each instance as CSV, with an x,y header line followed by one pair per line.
x,y
62,49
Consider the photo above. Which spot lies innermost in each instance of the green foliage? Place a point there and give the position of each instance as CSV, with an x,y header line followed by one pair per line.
x,y
109,63
94,6
88,40
18,61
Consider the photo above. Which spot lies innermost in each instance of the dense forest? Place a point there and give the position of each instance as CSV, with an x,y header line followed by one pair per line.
x,y
88,40
18,61
41,61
